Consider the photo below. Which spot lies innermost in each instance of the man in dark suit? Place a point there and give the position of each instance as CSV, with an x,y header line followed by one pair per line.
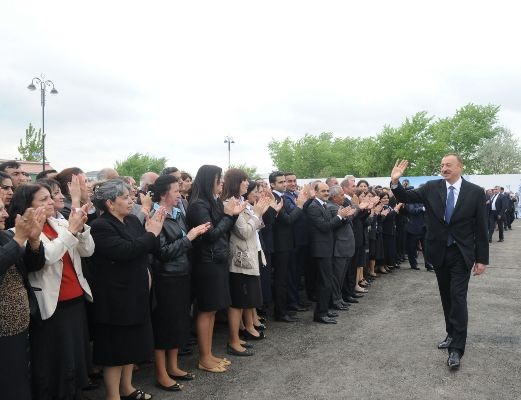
x,y
415,228
283,244
299,263
496,213
321,226
349,293
456,241
343,247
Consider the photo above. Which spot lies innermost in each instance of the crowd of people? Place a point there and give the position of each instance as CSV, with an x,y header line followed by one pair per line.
x,y
105,275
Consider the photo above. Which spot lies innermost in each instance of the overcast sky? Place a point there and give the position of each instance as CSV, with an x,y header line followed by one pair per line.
x,y
173,78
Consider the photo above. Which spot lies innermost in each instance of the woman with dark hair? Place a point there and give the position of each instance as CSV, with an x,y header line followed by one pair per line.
x,y
363,185
60,342
77,198
123,331
388,233
185,185
245,258
19,254
375,234
171,283
6,189
210,268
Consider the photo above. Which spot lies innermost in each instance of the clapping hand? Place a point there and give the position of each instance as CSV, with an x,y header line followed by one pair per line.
x,y
261,206
146,202
198,231
77,219
385,212
277,206
154,224
233,206
302,198
398,170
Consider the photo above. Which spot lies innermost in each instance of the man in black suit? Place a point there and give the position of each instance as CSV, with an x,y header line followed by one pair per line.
x,y
415,228
343,248
456,241
321,226
496,214
299,263
349,293
283,243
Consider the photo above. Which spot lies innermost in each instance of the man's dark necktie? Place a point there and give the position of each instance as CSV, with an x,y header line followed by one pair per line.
x,y
449,209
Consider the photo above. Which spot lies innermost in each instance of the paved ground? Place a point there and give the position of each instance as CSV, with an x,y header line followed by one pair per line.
x,y
382,348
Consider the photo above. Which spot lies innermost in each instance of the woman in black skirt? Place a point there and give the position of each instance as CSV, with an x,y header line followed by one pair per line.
x,y
171,284
245,252
121,276
16,259
210,261
388,232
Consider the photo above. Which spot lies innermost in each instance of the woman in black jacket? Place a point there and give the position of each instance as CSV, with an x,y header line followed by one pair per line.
x,y
123,330
19,253
210,272
171,282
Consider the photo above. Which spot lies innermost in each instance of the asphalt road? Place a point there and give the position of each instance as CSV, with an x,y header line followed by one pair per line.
x,y
382,348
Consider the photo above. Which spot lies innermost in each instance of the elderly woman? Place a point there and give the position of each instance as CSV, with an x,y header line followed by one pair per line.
x,y
171,282
123,330
245,257
19,254
210,274
60,341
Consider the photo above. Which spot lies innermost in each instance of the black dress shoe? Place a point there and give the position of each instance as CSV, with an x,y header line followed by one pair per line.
x,y
416,268
91,386
445,343
352,300
331,314
325,320
185,351
244,334
339,307
454,360
429,268
298,308
500,240
246,353
186,377
260,327
357,295
286,318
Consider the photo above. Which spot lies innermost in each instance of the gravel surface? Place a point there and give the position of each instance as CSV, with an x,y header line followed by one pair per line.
x,y
382,348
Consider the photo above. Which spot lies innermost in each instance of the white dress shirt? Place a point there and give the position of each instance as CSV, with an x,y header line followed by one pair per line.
x,y
457,186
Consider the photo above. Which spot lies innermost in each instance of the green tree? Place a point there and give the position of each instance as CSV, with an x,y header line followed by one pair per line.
x,y
251,171
500,154
32,149
137,164
421,139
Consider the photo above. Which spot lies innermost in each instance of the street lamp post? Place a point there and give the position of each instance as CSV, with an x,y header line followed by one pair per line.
x,y
229,140
44,84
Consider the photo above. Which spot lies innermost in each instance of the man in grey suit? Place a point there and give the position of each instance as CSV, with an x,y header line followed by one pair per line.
x,y
343,247
321,226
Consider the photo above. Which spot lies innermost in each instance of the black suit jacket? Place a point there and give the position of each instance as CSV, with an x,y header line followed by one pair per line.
x,y
300,227
321,226
468,225
120,270
500,204
283,237
344,238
